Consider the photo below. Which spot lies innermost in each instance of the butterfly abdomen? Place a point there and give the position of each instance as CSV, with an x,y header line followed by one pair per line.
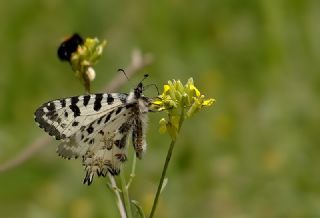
x,y
138,135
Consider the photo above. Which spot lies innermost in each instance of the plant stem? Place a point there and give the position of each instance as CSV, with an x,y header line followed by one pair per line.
x,y
113,187
164,171
165,167
125,194
133,170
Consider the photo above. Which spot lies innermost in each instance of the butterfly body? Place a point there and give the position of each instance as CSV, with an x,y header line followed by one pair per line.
x,y
96,128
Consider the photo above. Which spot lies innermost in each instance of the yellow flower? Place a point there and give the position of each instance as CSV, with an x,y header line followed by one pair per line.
x,y
180,102
85,57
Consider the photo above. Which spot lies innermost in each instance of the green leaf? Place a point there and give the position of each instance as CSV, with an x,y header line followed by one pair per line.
x,y
139,208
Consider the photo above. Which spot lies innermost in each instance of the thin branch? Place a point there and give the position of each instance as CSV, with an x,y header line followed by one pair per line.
x,y
133,171
125,194
115,190
138,62
28,152
165,167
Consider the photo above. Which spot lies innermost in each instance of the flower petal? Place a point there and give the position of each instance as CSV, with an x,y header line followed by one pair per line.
x,y
208,102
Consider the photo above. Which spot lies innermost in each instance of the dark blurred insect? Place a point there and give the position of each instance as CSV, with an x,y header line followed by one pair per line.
x,y
69,46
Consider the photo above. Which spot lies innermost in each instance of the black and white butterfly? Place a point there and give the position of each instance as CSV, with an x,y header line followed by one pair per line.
x,y
96,128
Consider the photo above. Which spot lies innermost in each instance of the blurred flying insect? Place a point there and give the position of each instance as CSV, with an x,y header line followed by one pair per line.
x,y
69,46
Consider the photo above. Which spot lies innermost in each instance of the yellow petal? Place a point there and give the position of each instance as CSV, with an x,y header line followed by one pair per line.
x,y
157,102
166,89
208,102
192,87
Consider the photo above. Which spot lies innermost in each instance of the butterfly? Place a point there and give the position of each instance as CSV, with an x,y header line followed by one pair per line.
x,y
96,127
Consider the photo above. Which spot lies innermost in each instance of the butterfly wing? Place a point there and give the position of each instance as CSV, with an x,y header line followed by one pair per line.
x,y
102,143
62,118
107,148
96,127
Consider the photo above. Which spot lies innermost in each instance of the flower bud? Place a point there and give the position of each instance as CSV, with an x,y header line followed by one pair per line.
x,y
91,74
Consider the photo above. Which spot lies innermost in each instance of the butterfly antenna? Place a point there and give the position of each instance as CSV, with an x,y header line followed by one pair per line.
x,y
147,86
122,70
144,77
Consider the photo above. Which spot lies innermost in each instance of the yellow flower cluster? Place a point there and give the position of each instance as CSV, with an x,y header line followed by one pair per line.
x,y
89,52
85,57
181,102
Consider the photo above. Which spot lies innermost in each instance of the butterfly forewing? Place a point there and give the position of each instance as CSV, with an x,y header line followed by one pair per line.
x,y
98,131
62,118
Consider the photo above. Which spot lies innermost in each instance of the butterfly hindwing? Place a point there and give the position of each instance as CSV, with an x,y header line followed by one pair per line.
x,y
115,119
108,148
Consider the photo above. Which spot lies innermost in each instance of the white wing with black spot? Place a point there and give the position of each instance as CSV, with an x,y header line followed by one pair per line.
x,y
62,118
96,128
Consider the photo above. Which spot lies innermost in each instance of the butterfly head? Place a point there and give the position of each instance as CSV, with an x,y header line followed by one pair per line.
x,y
139,89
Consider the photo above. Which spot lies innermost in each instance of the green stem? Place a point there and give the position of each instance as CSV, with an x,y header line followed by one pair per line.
x,y
164,171
114,188
125,194
165,167
133,170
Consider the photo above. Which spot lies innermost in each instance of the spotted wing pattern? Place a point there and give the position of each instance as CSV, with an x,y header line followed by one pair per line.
x,y
96,128
61,118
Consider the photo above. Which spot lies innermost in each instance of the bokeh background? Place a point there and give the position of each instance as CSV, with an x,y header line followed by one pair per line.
x,y
254,154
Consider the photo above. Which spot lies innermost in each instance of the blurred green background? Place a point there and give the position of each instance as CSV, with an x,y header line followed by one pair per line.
x,y
254,154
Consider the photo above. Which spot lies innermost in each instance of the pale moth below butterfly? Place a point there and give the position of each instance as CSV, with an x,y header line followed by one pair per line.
x,y
96,128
